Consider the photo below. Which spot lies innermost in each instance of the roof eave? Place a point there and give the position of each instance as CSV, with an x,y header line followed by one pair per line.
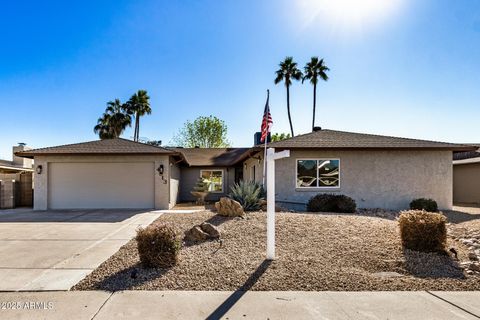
x,y
31,155
466,161
460,148
3,167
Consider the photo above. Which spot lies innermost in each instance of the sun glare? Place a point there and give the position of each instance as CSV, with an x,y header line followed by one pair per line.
x,y
348,14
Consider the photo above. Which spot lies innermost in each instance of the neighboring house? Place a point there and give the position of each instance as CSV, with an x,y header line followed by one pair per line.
x,y
377,171
18,164
16,180
466,177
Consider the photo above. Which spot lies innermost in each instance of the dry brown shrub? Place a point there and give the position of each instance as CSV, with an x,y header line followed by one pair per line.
x,y
158,246
423,231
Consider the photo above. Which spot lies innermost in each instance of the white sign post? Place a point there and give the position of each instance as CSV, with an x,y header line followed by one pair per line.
x,y
271,157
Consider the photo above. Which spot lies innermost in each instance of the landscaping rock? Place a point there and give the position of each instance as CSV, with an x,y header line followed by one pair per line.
x,y
229,208
472,256
474,267
263,206
378,212
196,234
387,274
352,247
202,232
212,231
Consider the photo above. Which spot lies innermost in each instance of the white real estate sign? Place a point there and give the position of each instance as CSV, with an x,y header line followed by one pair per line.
x,y
271,157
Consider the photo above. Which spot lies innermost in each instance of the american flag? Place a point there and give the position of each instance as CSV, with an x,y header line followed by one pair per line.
x,y
267,120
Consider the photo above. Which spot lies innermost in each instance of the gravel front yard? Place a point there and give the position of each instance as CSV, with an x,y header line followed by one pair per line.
x,y
314,252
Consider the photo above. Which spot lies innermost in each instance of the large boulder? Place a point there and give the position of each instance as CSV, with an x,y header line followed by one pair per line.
x,y
196,234
202,232
229,208
212,231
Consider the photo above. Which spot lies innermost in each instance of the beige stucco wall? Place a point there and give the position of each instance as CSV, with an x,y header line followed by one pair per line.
x,y
375,179
161,183
466,183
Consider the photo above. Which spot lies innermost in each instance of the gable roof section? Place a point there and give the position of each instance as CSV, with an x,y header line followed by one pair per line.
x,y
330,139
212,157
98,147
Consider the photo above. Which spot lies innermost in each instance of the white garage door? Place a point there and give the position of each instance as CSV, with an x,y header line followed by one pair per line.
x,y
101,185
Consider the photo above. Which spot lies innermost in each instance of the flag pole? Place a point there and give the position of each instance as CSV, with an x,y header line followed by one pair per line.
x,y
265,151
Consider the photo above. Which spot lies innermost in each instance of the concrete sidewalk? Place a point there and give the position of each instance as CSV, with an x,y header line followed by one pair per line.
x,y
239,305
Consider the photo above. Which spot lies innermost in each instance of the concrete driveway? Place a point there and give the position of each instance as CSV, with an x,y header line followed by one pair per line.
x,y
53,250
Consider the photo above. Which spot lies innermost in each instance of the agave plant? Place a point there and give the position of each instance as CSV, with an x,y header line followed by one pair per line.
x,y
248,194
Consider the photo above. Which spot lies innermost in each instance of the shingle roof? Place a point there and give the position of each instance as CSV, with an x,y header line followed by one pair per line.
x,y
468,154
210,157
330,139
107,146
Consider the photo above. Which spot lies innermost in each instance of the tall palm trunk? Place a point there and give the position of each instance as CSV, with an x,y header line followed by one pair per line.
x,y
135,134
288,110
314,104
138,130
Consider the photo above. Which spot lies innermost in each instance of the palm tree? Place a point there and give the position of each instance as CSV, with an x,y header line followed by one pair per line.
x,y
114,121
288,71
103,128
139,105
313,70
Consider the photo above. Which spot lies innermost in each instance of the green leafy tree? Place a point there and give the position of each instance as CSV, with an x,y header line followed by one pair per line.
x,y
114,120
288,71
280,136
203,132
138,106
314,70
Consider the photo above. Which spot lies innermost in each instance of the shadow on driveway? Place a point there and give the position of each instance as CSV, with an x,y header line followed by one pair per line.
x,y
23,215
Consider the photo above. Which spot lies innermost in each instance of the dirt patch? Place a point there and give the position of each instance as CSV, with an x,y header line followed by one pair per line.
x,y
314,252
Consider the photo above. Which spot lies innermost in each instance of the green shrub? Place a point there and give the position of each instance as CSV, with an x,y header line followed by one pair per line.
x,y
200,185
158,246
248,194
327,202
423,231
424,204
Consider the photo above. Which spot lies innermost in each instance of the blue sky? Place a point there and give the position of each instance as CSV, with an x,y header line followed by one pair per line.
x,y
412,69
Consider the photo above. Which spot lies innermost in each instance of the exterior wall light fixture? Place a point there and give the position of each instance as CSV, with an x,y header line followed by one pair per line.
x,y
160,169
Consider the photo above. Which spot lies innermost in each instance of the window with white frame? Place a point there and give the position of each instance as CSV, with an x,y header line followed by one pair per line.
x,y
214,179
318,173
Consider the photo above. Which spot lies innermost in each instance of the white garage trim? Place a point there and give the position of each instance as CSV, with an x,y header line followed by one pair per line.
x,y
85,185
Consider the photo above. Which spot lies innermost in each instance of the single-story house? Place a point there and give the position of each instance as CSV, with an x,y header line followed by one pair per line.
x,y
466,177
377,171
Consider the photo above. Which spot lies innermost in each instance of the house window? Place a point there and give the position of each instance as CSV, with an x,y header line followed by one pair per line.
x,y
318,173
214,179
